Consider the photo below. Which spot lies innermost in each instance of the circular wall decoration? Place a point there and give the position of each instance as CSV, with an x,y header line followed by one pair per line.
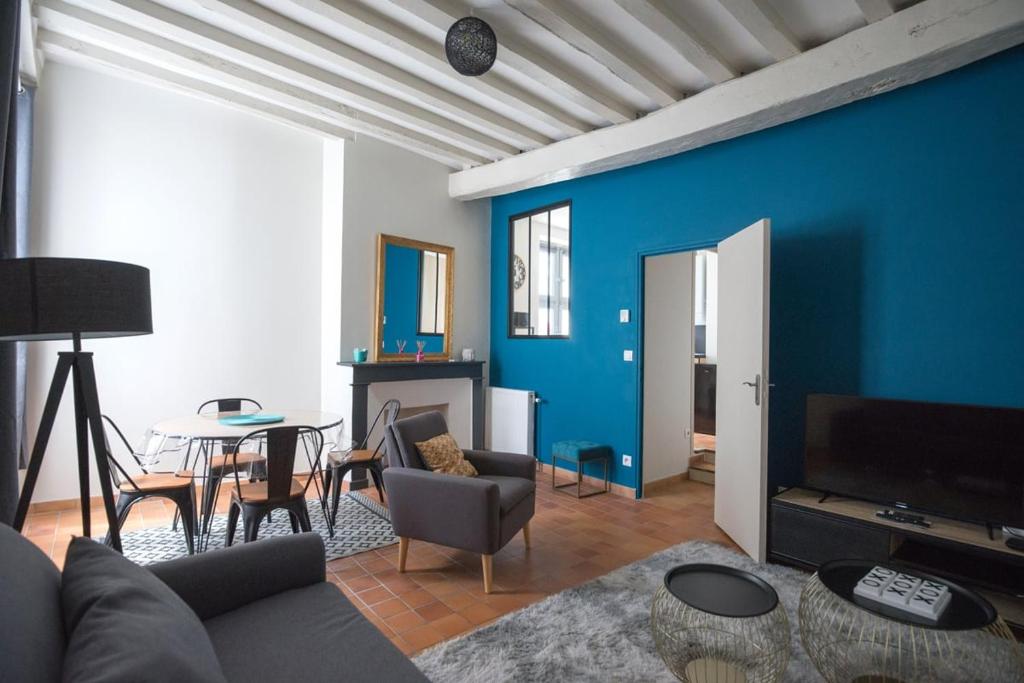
x,y
471,46
518,272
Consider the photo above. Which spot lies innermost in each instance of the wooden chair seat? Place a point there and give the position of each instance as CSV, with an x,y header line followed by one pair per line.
x,y
256,492
161,481
338,458
219,462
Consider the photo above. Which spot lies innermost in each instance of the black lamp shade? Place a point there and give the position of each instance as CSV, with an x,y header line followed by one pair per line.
x,y
56,298
471,46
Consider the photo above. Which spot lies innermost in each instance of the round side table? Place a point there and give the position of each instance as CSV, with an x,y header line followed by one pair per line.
x,y
852,639
717,623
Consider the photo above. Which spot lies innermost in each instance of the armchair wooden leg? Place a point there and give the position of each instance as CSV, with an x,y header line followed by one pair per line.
x,y
488,567
403,552
526,534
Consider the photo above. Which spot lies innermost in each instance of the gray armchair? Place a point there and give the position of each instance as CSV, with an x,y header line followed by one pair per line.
x,y
479,514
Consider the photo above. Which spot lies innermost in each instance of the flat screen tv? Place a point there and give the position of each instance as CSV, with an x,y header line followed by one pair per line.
x,y
958,461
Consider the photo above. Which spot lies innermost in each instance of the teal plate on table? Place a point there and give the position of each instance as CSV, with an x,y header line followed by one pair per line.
x,y
246,420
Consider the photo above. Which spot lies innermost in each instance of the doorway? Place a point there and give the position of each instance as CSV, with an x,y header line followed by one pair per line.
x,y
680,317
704,378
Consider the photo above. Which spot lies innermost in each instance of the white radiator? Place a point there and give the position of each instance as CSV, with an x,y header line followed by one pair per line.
x,y
510,420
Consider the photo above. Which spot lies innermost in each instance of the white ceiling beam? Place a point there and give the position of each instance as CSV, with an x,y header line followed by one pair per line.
x,y
680,36
30,59
584,36
66,49
925,40
190,31
95,29
396,37
874,10
375,73
441,14
765,25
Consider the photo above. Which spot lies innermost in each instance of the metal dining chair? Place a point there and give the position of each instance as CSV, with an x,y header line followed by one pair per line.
x,y
179,487
217,465
252,501
339,463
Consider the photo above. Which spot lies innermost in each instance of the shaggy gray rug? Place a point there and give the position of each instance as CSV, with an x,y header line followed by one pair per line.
x,y
599,631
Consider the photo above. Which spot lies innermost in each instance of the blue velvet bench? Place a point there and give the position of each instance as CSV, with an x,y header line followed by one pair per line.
x,y
580,452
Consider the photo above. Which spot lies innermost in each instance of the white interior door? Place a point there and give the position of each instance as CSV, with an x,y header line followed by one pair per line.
x,y
668,381
741,405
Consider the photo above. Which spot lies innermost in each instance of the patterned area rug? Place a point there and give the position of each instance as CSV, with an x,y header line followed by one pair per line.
x,y
601,630
362,524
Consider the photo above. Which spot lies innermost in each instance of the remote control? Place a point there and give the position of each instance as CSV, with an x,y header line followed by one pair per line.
x,y
904,518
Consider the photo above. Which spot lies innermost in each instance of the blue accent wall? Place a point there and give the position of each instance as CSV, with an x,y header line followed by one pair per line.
x,y
897,259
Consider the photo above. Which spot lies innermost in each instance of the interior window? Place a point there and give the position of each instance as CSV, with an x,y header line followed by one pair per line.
x,y
539,272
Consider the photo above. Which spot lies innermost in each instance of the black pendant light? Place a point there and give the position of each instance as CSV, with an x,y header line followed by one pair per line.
x,y
471,46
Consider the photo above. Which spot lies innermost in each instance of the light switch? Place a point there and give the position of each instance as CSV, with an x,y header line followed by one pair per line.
x,y
623,315
627,355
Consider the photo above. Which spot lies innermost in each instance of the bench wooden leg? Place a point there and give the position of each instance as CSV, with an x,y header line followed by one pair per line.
x,y
526,534
403,552
488,566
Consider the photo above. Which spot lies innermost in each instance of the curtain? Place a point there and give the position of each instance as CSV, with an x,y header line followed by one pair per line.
x,y
14,160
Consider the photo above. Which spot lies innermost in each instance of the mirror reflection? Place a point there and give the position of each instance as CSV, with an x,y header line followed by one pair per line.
x,y
413,299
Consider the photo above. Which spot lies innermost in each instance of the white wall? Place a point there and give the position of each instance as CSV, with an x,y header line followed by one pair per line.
x,y
668,368
393,191
225,210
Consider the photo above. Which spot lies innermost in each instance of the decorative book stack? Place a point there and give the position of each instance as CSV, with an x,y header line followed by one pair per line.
x,y
904,592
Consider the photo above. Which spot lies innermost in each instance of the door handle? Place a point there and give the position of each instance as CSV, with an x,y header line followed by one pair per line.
x,y
757,389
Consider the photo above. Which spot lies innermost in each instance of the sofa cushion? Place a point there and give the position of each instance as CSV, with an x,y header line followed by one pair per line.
x,y
306,634
125,624
511,490
30,605
442,454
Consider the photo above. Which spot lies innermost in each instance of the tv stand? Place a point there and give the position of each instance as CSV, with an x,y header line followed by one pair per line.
x,y
807,530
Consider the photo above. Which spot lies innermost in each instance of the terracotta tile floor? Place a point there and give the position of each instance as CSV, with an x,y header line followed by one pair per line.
x,y
441,594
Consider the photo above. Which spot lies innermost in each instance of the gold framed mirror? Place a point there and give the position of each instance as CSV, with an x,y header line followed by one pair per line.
x,y
414,299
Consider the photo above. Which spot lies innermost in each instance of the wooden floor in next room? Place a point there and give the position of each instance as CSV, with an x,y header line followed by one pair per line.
x,y
441,594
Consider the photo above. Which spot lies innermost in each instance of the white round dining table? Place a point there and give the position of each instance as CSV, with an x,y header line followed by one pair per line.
x,y
204,431
208,428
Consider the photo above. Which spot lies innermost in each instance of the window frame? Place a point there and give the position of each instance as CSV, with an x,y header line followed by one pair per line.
x,y
510,272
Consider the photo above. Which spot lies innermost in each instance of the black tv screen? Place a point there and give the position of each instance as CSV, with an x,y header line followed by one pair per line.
x,y
958,461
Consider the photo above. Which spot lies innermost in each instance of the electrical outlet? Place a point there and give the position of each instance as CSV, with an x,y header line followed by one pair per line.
x,y
623,315
627,460
627,355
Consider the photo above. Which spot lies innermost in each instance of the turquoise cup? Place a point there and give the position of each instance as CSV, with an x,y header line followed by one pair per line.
x,y
359,355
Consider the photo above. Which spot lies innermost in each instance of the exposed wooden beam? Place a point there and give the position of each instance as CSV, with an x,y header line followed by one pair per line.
x,y
30,59
66,49
399,39
874,10
190,31
924,40
375,72
671,28
96,29
441,14
765,25
583,35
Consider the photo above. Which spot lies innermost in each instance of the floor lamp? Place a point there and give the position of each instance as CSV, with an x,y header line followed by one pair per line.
x,y
76,299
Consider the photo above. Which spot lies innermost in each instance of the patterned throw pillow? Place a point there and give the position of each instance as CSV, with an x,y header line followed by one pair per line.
x,y
442,454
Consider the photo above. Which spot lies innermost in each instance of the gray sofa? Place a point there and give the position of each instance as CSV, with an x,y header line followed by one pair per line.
x,y
478,514
269,613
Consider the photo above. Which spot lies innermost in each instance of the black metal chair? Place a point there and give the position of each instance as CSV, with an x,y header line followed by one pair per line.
x,y
179,487
253,462
339,463
281,490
